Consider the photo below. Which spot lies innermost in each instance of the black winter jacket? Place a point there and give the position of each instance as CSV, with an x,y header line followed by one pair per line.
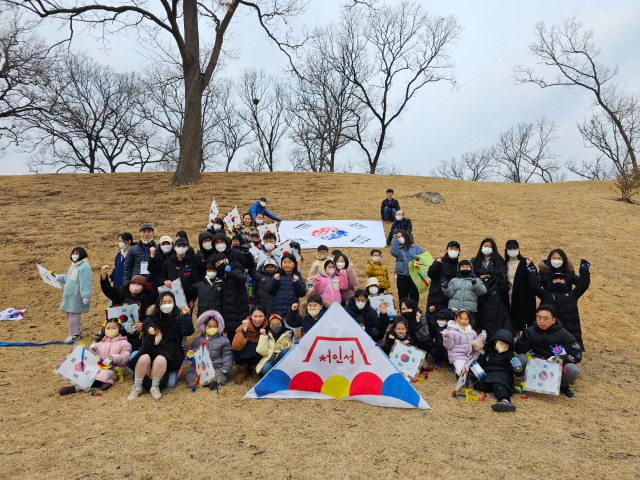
x,y
523,301
396,226
261,280
235,297
295,320
375,325
210,295
393,203
186,270
498,366
541,342
492,312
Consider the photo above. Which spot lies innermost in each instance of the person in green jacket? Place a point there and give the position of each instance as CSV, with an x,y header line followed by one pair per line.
x,y
76,294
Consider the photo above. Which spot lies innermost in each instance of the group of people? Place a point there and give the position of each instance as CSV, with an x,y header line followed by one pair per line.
x,y
481,308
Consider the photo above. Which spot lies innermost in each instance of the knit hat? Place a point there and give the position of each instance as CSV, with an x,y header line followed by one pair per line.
x,y
512,243
146,226
138,280
372,281
453,243
270,261
444,314
165,238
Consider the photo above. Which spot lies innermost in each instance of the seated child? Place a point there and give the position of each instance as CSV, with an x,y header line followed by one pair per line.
x,y
399,331
273,344
463,290
245,342
500,365
114,350
375,268
437,324
461,341
211,326
315,310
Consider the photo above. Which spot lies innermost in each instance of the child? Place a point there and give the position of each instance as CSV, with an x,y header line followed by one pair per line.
x,y
399,331
362,312
416,322
113,349
373,287
375,268
342,264
463,290
461,341
317,267
437,324
286,287
500,364
245,342
315,310
76,294
561,294
210,294
261,279
389,207
273,344
125,239
329,283
211,326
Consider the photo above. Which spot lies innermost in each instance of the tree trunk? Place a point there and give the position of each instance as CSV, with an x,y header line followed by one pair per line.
x,y
190,158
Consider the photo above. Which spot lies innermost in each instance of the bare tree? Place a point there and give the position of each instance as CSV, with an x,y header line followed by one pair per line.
x,y
570,55
181,21
90,120
389,53
522,153
597,169
473,166
265,100
25,63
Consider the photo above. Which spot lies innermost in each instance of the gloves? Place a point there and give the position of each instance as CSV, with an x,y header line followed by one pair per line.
x,y
158,339
224,371
516,364
85,301
473,278
444,282
106,362
227,269
244,248
584,264
93,346
554,359
531,268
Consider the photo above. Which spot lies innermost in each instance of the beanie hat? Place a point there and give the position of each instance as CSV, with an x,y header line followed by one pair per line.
x,y
138,280
453,243
270,261
372,281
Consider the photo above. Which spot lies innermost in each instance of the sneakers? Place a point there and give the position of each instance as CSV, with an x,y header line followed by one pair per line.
x,y
69,389
135,392
437,365
72,339
155,392
566,391
503,406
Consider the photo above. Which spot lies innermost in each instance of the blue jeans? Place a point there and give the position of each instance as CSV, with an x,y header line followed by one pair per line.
x,y
389,214
273,361
172,379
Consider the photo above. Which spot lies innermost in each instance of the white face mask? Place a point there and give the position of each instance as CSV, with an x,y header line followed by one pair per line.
x,y
263,204
376,259
401,240
556,263
399,217
217,226
314,312
487,250
122,245
166,248
373,290
453,253
146,242
442,323
207,246
513,253
181,250
166,308
360,305
135,289
339,265
269,246
501,348
221,247
259,222
75,258
211,275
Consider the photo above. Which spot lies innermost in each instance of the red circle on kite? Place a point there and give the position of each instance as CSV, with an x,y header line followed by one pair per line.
x,y
307,382
366,383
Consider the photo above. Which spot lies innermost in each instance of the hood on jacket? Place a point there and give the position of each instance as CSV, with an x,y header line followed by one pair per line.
x,y
203,319
202,236
504,336
556,287
222,235
464,262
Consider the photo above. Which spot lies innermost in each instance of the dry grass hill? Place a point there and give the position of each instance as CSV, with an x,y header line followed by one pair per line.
x,y
201,434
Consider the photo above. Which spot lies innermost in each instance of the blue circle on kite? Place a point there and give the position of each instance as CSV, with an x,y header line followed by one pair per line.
x,y
274,381
396,386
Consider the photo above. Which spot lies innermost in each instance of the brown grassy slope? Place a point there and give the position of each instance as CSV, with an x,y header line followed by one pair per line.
x,y
45,436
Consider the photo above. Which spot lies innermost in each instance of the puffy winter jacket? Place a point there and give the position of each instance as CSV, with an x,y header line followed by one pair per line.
x,y
77,285
185,269
261,280
438,271
269,346
251,335
210,295
317,267
138,253
404,255
118,349
218,346
235,297
352,283
329,289
458,343
375,325
295,320
542,343
463,292
492,312
498,366
285,292
380,271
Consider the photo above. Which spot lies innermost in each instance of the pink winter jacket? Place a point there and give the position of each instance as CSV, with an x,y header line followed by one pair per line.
x,y
352,282
458,344
119,349
331,293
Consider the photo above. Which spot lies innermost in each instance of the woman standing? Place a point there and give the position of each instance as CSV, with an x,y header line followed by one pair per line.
x,y
522,300
76,294
405,251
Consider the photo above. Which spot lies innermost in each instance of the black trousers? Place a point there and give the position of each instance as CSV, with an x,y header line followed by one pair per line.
x,y
407,289
499,390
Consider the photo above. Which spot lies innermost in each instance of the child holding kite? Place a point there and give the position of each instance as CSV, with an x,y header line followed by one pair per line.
x,y
113,349
76,294
211,326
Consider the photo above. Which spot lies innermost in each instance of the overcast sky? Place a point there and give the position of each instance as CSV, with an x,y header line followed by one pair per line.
x,y
442,122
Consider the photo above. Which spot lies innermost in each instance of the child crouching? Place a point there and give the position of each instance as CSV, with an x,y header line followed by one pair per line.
x,y
461,341
273,344
211,325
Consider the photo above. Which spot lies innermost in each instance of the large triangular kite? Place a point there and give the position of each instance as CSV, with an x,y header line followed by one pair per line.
x,y
337,359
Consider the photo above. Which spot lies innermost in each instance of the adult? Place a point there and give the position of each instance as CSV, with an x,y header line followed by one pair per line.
x,y
222,244
181,265
205,241
400,222
157,363
125,239
76,293
389,207
488,257
260,206
546,338
362,312
556,262
405,251
137,261
522,301
157,257
493,314
245,229
445,267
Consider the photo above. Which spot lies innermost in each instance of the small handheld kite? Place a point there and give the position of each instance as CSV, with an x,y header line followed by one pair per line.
x,y
47,277
542,376
204,366
407,359
269,228
178,292
232,219
128,314
79,367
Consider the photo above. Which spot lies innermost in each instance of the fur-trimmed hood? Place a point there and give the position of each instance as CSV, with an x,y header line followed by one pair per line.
x,y
206,316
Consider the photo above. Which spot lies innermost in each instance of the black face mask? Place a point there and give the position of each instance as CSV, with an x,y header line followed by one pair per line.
x,y
276,330
465,273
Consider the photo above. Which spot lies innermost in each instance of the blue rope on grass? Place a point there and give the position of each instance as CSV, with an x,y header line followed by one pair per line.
x,y
30,344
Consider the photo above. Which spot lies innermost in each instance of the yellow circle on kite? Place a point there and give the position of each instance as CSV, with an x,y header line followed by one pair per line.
x,y
336,387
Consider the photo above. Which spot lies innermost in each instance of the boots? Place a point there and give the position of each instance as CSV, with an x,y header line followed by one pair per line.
x,y
241,375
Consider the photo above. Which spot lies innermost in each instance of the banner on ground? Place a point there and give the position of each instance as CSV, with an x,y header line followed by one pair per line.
x,y
336,359
335,233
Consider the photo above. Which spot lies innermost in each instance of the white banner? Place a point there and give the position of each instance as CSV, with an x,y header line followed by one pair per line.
x,y
334,233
